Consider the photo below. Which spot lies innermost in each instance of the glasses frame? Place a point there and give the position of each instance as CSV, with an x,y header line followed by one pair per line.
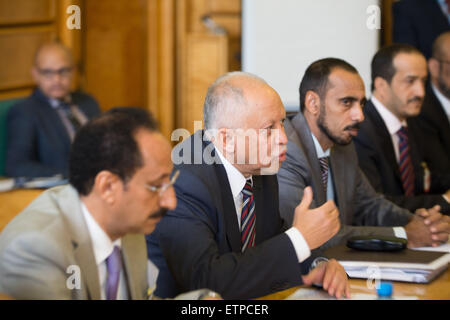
x,y
160,190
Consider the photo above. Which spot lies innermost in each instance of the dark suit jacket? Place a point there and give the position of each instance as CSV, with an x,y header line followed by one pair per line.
x,y
361,210
419,23
435,125
200,239
377,160
38,143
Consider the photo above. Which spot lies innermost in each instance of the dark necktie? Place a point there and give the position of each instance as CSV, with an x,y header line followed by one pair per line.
x,y
324,171
248,217
70,116
405,164
113,267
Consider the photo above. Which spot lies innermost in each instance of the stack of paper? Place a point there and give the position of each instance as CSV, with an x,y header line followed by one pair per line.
x,y
406,265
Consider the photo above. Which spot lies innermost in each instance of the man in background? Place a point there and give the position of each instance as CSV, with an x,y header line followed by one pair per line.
x,y
435,114
41,127
393,152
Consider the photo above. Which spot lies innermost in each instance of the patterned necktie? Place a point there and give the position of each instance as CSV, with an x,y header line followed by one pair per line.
x,y
405,164
113,267
324,170
76,124
248,217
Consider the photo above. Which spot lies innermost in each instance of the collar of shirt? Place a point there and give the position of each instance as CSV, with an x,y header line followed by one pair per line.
x,y
392,123
319,150
56,102
445,102
235,177
101,243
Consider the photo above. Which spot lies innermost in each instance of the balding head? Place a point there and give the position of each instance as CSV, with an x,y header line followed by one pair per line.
x,y
52,70
227,99
439,64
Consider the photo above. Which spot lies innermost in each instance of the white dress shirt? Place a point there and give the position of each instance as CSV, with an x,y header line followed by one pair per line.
x,y
237,182
103,247
393,124
445,102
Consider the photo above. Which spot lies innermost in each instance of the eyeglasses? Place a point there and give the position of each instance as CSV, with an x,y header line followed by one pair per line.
x,y
161,189
49,73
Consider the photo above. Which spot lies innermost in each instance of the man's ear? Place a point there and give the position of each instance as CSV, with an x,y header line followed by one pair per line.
x,y
380,85
226,139
35,73
312,102
433,67
107,185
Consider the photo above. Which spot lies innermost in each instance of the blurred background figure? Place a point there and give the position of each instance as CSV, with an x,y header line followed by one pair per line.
x,y
420,22
41,127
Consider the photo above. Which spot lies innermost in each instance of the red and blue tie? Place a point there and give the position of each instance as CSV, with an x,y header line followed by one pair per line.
x,y
406,167
248,217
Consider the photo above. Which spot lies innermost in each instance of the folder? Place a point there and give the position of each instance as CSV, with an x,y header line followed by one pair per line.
x,y
405,265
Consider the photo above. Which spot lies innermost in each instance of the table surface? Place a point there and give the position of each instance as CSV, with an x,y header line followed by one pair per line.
x,y
12,202
438,289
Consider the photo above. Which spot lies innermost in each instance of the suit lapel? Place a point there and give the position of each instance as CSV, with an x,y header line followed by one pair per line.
x,y
134,266
307,145
383,136
339,179
259,208
69,202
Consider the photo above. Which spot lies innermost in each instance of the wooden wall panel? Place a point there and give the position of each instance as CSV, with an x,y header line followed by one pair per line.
x,y
206,59
114,43
17,47
26,11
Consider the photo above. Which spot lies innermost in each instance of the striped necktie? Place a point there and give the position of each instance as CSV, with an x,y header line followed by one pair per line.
x,y
248,217
324,171
405,164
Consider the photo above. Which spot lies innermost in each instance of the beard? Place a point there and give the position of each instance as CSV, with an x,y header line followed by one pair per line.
x,y
322,124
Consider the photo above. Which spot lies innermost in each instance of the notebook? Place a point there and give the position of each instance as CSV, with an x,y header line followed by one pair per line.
x,y
405,265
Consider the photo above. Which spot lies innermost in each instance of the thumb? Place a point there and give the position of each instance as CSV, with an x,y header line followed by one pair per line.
x,y
307,199
307,279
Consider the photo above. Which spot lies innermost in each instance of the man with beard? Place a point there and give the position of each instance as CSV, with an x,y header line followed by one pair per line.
x,y
320,154
394,153
86,240
226,233
435,113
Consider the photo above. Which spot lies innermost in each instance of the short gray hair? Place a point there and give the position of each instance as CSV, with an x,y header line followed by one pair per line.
x,y
225,98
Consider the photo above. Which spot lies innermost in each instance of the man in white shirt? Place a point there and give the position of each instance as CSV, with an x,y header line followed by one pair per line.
x,y
226,233
393,152
86,240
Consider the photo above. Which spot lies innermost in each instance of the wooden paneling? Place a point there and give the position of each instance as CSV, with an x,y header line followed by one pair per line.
x,y
17,47
229,6
26,11
115,52
206,59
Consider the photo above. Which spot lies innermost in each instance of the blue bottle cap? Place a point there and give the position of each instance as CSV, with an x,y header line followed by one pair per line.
x,y
384,289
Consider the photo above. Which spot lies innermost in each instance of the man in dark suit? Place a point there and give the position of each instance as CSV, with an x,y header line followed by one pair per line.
x,y
320,154
435,113
226,233
390,144
420,22
40,128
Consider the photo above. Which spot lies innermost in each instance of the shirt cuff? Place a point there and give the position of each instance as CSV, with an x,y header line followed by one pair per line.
x,y
299,243
400,233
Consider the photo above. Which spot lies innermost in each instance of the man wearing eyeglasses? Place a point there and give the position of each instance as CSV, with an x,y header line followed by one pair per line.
x,y
41,127
86,240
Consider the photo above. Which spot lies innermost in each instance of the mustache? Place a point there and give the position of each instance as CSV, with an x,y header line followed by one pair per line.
x,y
158,214
353,126
418,99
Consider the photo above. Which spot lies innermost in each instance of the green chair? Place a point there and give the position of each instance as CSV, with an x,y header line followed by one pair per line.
x,y
5,105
